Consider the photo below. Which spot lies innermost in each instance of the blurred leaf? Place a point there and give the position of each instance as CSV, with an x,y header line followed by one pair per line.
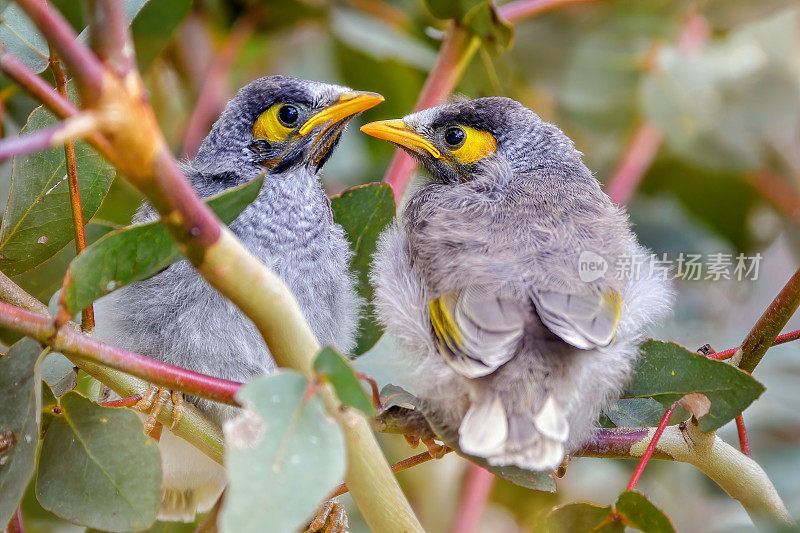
x,y
154,26
495,33
22,39
19,422
140,251
387,363
336,370
637,511
38,221
729,14
284,456
98,468
582,518
452,9
667,371
380,40
59,373
364,212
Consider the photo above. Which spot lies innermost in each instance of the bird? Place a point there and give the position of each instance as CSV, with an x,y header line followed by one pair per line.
x,y
285,128
501,281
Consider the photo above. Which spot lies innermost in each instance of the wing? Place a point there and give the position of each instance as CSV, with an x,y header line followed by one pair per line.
x,y
477,330
585,321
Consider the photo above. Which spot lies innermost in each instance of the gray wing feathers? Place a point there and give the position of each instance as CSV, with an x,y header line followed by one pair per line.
x,y
585,321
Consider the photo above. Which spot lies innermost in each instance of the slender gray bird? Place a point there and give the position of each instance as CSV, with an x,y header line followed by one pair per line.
x,y
287,127
504,280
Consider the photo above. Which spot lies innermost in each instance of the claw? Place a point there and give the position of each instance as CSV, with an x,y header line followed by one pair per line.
x,y
331,513
435,450
152,403
561,471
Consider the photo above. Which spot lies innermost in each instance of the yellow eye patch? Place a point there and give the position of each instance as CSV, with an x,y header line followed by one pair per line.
x,y
268,126
477,145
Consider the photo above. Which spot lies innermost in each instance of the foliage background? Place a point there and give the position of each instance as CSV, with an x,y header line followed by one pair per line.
x,y
725,178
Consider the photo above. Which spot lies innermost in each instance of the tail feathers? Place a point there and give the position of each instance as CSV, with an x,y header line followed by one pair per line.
x,y
531,443
181,505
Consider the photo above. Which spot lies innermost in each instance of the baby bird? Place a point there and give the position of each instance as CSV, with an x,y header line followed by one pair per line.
x,y
287,128
501,280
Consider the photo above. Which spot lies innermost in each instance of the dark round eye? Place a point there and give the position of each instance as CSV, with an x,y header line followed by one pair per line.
x,y
288,115
454,136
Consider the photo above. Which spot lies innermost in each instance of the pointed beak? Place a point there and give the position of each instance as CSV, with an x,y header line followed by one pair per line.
x,y
348,105
397,132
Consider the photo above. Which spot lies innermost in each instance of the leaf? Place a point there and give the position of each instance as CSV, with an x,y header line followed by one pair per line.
x,y
59,373
495,33
364,212
22,39
582,518
637,511
336,370
667,371
284,455
696,403
154,26
38,221
137,252
449,9
98,468
19,422
641,412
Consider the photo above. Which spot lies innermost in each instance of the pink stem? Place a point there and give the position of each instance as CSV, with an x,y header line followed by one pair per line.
x,y
522,9
636,159
88,70
70,341
648,453
477,489
780,339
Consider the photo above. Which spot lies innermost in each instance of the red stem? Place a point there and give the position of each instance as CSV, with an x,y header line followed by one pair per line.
x,y
637,157
744,442
780,339
16,524
31,142
70,341
477,489
650,448
88,70
123,402
214,92
108,32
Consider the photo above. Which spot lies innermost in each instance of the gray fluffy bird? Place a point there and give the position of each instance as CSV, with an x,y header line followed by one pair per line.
x,y
500,280
288,128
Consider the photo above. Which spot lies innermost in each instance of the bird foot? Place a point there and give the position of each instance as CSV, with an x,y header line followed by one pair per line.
x,y
153,401
436,450
561,471
331,513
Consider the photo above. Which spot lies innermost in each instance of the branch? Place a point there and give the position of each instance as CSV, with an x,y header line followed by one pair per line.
x,y
766,330
77,126
738,475
87,315
477,489
11,293
88,71
71,342
637,157
780,339
108,34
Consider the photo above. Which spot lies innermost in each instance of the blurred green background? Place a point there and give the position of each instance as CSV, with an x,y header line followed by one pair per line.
x,y
719,81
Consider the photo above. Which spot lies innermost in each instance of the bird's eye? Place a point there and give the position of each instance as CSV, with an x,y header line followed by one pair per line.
x,y
454,136
288,115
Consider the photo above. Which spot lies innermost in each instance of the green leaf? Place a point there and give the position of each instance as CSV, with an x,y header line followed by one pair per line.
x,y
452,9
637,511
364,212
641,412
137,252
98,468
582,518
495,33
22,39
38,220
336,370
19,422
154,26
667,371
59,373
284,456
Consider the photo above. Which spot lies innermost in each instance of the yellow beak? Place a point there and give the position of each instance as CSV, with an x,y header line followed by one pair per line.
x,y
396,131
349,104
